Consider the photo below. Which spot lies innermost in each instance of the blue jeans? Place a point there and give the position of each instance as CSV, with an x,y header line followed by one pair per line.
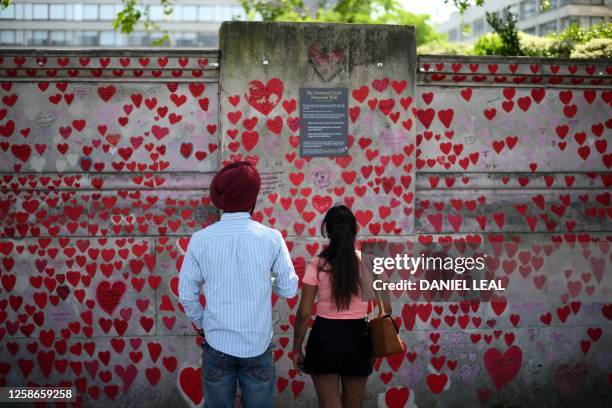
x,y
221,372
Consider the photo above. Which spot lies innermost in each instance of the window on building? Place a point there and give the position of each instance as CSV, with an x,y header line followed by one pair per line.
x,y
69,12
548,5
156,13
568,21
27,11
39,37
18,11
528,8
40,11
87,38
107,38
217,14
107,12
57,11
530,30
190,13
174,13
238,13
228,11
77,12
207,40
596,20
90,11
7,37
177,13
548,28
138,38
7,13
120,39
453,35
514,9
186,39
205,13
58,38
220,12
593,2
478,26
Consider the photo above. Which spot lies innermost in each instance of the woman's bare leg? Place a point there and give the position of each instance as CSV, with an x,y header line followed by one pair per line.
x,y
353,391
328,390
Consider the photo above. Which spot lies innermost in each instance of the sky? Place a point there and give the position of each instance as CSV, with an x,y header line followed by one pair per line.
x,y
439,11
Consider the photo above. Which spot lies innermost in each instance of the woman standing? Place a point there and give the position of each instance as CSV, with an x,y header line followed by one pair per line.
x,y
338,351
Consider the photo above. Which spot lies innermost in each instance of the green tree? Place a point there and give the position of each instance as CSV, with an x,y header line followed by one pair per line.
x,y
128,18
575,37
445,48
343,11
488,44
573,42
348,11
594,48
580,35
545,5
506,30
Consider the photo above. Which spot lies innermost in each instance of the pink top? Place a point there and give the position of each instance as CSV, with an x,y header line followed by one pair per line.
x,y
326,306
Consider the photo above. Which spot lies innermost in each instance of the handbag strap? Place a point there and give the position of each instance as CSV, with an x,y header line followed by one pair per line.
x,y
394,324
382,309
380,301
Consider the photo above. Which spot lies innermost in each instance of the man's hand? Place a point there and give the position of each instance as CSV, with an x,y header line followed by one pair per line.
x,y
199,330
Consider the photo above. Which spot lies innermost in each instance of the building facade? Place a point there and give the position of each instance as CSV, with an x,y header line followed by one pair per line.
x,y
537,17
89,23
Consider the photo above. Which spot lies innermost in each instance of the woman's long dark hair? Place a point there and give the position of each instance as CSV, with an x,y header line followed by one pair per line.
x,y
340,226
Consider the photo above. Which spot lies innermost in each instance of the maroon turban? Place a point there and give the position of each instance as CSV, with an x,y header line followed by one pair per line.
x,y
235,187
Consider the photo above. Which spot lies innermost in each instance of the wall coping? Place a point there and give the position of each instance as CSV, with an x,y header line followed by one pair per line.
x,y
517,59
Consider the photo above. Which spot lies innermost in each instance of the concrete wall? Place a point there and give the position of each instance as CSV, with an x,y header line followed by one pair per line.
x,y
106,160
107,157
513,155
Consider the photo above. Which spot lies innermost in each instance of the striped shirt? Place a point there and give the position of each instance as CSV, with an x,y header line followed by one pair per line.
x,y
240,262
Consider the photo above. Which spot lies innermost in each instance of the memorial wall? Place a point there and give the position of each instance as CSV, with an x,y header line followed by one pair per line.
x,y
107,157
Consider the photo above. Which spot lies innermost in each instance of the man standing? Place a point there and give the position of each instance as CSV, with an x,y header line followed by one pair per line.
x,y
240,262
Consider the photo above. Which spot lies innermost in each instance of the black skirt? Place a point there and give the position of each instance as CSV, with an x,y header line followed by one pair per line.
x,y
339,346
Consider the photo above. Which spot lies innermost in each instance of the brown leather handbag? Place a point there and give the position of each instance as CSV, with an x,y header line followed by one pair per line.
x,y
384,334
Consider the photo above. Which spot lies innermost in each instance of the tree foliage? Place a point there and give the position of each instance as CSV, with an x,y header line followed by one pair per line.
x,y
488,44
342,11
445,48
569,43
507,31
580,35
346,11
128,18
594,48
